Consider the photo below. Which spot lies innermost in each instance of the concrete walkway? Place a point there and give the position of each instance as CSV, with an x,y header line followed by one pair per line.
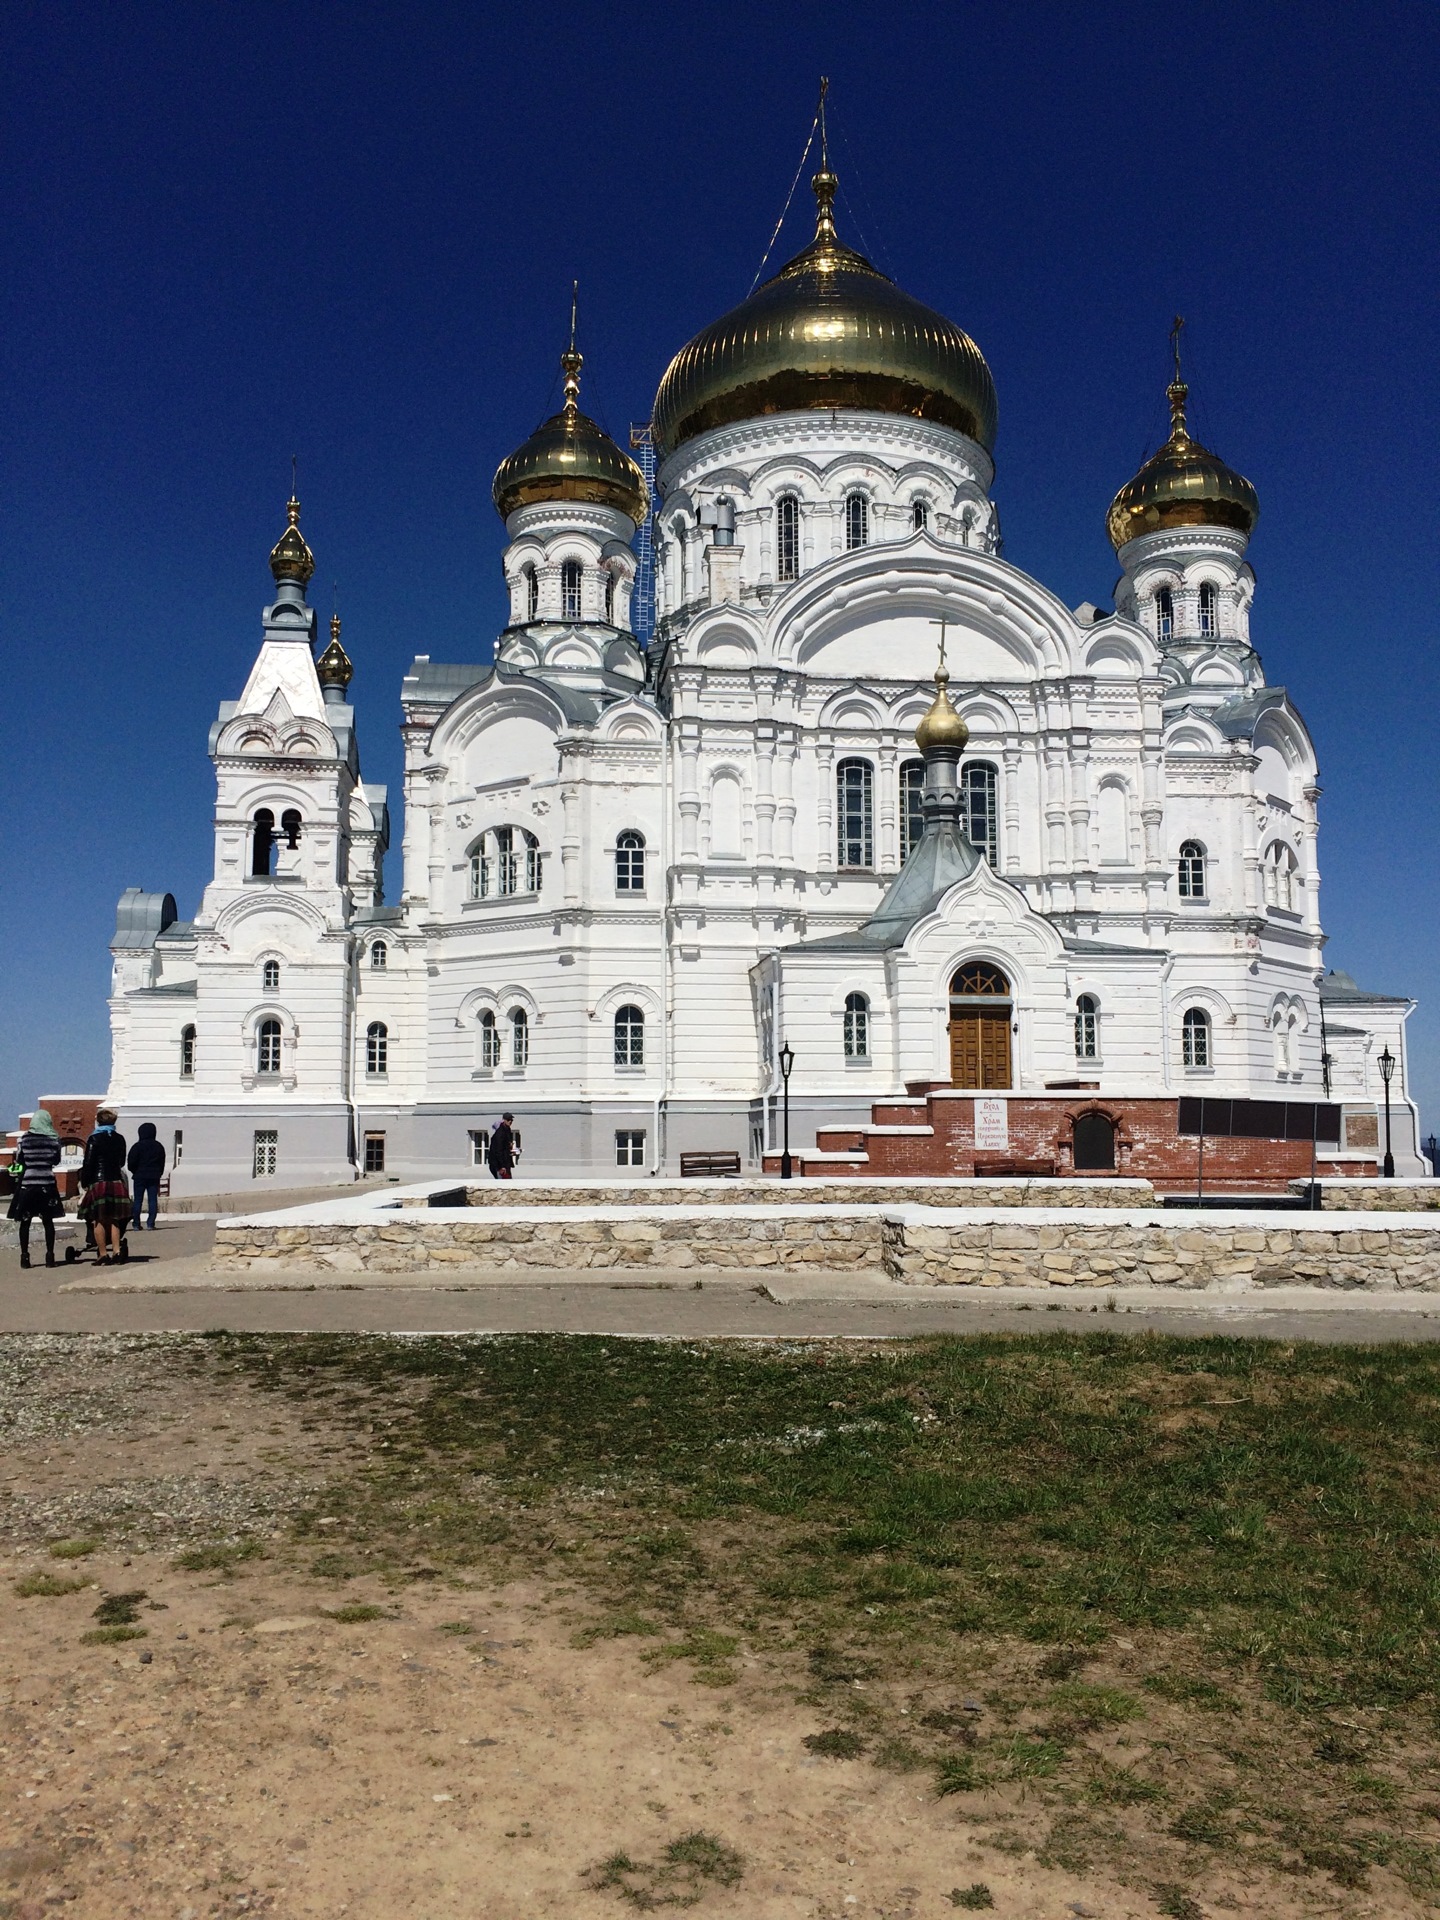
x,y
166,1288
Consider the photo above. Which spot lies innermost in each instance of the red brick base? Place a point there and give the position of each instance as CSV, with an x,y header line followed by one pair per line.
x,y
1041,1131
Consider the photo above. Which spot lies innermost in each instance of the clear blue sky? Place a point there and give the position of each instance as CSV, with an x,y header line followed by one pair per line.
x,y
237,232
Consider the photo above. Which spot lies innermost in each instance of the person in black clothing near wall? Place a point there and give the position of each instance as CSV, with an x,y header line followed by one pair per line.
x,y
107,1198
501,1155
147,1168
36,1195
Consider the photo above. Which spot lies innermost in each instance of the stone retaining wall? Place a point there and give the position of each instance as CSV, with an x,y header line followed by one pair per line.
x,y
1377,1196
1017,1192
924,1248
665,1238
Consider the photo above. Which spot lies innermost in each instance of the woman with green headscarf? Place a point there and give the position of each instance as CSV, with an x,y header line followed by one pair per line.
x,y
36,1195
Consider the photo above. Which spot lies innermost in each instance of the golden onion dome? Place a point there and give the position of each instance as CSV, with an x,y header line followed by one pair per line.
x,y
568,457
829,330
1183,485
290,557
942,725
334,667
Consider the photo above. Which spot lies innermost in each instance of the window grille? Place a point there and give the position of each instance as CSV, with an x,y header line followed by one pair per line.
x,y
263,1163
187,1053
912,805
1191,871
920,515
857,521
267,1047
1164,615
270,976
1209,610
629,1037
854,782
377,1048
1195,1038
787,538
519,1038
630,861
489,1041
1087,1027
532,593
857,1027
374,1153
379,957
979,783
570,590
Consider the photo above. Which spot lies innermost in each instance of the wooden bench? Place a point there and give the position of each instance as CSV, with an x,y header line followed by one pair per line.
x,y
702,1166
989,1166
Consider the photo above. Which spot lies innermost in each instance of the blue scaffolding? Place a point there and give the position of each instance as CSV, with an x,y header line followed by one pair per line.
x,y
642,600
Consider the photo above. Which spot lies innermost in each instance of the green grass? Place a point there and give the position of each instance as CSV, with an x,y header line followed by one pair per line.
x,y
73,1549
1175,1570
46,1586
356,1614
105,1636
976,1897
679,1878
219,1557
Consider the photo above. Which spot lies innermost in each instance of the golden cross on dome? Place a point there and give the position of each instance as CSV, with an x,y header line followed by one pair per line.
x,y
572,360
942,673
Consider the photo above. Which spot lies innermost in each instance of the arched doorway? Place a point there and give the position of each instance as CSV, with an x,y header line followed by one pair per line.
x,y
1094,1143
980,1027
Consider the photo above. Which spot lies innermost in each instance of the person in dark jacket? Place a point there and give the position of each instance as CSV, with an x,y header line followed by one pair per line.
x,y
106,1204
36,1195
501,1157
147,1169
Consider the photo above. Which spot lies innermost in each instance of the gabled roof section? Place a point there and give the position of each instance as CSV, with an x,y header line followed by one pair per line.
x,y
1338,989
942,856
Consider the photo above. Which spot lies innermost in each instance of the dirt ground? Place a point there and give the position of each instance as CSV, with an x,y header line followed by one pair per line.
x,y
443,1747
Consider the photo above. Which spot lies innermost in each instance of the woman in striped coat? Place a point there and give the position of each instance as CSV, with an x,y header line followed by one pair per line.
x,y
36,1195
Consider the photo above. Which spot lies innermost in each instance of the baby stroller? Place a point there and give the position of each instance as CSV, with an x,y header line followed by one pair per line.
x,y
72,1253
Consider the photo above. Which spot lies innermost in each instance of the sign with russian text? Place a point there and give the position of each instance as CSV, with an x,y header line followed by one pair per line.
x,y
992,1131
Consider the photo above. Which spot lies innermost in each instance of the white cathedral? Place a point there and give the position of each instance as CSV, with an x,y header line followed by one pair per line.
x,y
635,880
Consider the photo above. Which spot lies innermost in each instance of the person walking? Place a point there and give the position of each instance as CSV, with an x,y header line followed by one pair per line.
x,y
36,1195
501,1155
147,1168
106,1204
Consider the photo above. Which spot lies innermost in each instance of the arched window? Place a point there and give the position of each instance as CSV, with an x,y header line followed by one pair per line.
x,y
1087,1027
610,598
855,829
912,805
857,1027
1209,610
1190,870
1164,615
379,957
187,1053
1279,871
857,521
267,1047
519,1037
270,976
920,515
377,1049
979,784
1195,1050
570,590
262,841
630,861
290,826
489,1041
506,861
532,592
629,1037
787,537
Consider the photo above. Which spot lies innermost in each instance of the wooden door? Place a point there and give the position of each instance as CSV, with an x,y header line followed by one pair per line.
x,y
980,1048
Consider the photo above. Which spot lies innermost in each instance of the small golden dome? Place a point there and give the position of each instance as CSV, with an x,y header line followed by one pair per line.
x,y
829,330
1183,485
334,668
290,557
942,725
568,457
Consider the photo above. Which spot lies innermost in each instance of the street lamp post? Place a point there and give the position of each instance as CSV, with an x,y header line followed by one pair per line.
x,y
1386,1064
787,1061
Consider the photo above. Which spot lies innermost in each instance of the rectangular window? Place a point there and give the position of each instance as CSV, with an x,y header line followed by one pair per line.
x,y
980,813
479,1145
374,1153
787,538
177,1153
912,806
855,840
630,1147
266,1141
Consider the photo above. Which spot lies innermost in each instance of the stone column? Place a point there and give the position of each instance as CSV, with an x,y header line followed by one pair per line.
x,y
1010,808
888,834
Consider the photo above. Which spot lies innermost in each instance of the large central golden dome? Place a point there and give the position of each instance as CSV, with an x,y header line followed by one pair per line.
x,y
828,331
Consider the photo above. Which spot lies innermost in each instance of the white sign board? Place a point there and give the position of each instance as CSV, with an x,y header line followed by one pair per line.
x,y
992,1132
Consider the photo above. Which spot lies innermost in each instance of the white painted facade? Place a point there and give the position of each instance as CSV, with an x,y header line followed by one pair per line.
x,y
525,924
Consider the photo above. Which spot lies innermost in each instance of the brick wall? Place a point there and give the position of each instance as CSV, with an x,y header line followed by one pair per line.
x,y
1147,1145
